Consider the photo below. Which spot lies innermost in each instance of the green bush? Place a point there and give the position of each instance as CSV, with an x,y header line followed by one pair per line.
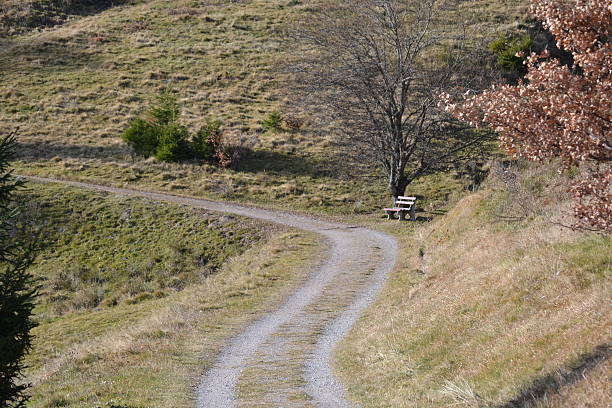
x,y
173,143
507,48
142,136
160,134
274,122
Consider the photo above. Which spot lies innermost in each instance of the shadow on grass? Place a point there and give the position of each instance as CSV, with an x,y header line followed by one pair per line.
x,y
50,57
49,13
258,161
421,218
564,377
255,161
89,7
33,151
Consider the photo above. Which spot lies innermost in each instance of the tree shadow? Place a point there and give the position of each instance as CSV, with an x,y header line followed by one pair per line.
x,y
90,7
280,163
563,377
421,218
56,56
44,14
33,151
253,161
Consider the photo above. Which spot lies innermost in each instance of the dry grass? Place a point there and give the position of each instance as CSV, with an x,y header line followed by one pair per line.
x,y
481,307
151,351
80,83
73,88
21,16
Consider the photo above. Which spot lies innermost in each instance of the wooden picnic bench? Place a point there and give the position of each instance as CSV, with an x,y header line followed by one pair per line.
x,y
401,207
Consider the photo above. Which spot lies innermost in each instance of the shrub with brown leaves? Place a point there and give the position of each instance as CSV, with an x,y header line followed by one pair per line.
x,y
559,111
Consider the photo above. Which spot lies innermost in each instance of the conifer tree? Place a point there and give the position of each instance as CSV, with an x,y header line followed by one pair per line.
x,y
18,288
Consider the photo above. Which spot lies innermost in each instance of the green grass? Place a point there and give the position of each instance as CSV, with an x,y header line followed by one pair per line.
x,y
166,286
101,250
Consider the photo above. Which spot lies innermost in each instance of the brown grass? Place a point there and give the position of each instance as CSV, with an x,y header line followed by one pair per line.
x,y
73,89
481,307
152,353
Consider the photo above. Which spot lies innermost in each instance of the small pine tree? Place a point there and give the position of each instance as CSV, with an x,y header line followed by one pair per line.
x,y
158,133
167,109
512,52
18,288
273,122
172,143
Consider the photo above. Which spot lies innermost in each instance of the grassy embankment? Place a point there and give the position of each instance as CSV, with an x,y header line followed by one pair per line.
x,y
137,297
72,89
493,305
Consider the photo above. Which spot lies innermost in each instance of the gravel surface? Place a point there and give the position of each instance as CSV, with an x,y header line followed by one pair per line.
x,y
298,338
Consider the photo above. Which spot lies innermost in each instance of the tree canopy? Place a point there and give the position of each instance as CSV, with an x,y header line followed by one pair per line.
x,y
376,67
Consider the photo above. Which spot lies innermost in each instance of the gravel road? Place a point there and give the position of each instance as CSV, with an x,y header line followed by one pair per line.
x,y
291,348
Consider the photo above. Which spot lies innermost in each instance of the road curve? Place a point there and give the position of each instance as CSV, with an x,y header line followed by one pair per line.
x,y
297,339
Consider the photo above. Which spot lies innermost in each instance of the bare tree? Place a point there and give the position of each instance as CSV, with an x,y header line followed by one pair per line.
x,y
377,67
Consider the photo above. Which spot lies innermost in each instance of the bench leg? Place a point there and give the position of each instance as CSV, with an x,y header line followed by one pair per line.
x,y
401,215
413,213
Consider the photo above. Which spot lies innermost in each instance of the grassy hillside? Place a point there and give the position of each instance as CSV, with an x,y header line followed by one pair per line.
x,y
137,296
102,250
493,305
72,89
19,16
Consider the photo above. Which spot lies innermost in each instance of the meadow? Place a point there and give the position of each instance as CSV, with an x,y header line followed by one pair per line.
x,y
137,297
498,303
72,89
494,303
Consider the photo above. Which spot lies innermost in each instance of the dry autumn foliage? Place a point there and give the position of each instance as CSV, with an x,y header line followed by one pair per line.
x,y
560,111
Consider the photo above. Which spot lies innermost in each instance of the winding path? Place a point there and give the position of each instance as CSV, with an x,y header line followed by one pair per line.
x,y
284,358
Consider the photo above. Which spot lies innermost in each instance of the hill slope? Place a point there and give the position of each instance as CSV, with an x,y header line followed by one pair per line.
x,y
72,89
138,297
493,305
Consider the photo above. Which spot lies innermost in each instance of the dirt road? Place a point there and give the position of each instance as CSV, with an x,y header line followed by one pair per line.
x,y
285,358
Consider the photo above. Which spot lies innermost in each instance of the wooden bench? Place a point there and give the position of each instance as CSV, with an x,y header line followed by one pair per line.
x,y
402,206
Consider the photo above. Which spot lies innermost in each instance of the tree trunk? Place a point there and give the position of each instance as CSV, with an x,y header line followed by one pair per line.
x,y
398,188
